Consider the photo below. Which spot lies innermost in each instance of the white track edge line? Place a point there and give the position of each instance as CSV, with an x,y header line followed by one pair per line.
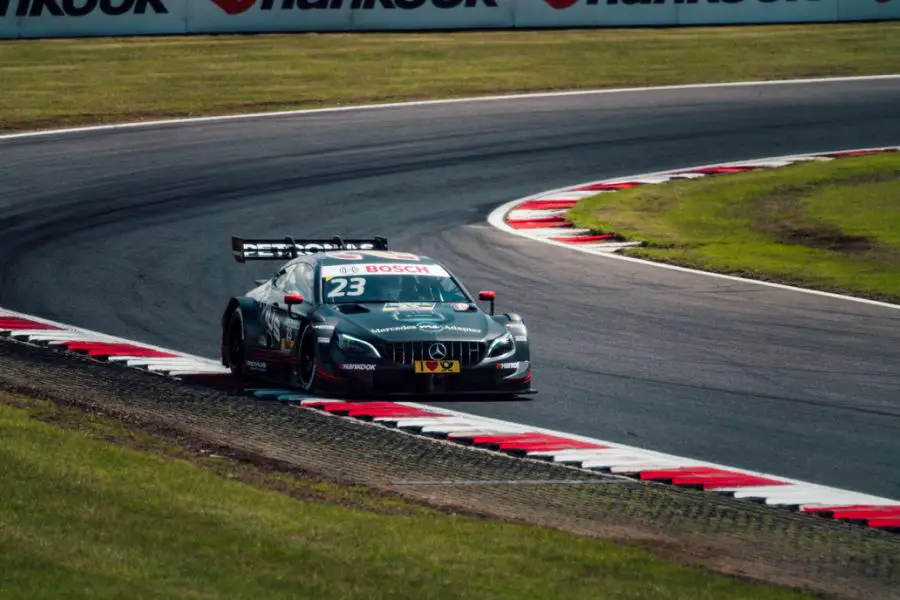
x,y
100,337
420,103
503,425
496,220
643,451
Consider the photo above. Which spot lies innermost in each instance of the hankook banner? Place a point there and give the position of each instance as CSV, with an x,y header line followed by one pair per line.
x,y
70,18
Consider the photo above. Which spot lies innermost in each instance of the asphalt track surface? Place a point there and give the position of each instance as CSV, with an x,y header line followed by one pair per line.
x,y
127,232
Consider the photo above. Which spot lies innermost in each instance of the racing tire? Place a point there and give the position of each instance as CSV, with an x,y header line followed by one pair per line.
x,y
303,369
237,350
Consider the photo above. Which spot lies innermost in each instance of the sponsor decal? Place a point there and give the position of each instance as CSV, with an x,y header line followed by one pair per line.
x,y
272,322
376,253
355,367
520,338
410,269
290,337
346,255
391,255
419,317
237,7
234,7
408,306
427,328
414,311
324,340
261,250
436,328
519,369
437,366
257,365
82,8
461,307
561,4
374,269
393,329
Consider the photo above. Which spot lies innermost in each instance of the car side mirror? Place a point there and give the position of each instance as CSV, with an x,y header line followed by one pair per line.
x,y
291,300
485,296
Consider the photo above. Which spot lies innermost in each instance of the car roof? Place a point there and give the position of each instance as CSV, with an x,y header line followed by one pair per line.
x,y
346,257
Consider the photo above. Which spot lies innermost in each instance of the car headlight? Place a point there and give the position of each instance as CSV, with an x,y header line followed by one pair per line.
x,y
502,347
355,346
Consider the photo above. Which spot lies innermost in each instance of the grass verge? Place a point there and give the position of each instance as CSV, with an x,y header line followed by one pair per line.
x,y
95,509
64,82
828,225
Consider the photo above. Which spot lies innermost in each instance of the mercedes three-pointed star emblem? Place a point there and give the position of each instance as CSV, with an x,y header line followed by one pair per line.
x,y
437,351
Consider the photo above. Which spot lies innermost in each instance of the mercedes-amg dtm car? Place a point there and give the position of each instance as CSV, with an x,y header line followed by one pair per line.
x,y
352,317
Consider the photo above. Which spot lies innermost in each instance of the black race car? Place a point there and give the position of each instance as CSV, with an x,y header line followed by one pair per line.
x,y
352,317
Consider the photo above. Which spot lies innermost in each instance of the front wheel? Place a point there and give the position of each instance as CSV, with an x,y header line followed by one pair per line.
x,y
303,371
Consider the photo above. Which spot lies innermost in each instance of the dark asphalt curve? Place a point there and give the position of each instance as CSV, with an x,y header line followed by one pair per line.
x,y
127,232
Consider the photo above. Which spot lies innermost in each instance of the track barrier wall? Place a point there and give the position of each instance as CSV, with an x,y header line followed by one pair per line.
x,y
73,18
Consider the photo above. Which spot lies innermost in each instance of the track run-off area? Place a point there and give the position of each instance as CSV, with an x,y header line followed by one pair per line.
x,y
126,231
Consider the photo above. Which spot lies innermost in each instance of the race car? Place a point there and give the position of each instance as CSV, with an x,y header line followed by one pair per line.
x,y
353,317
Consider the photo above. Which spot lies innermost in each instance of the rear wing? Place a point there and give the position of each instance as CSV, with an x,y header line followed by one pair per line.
x,y
287,247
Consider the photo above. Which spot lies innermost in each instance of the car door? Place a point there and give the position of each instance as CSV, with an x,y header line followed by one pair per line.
x,y
273,310
296,279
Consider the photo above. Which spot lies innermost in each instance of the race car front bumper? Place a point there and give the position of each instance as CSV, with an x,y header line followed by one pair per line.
x,y
380,380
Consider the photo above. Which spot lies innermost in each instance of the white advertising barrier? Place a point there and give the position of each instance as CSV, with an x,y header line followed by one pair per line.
x,y
209,16
759,11
71,18
592,13
74,18
868,10
600,13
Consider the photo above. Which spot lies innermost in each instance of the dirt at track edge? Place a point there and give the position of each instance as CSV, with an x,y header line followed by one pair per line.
x,y
736,537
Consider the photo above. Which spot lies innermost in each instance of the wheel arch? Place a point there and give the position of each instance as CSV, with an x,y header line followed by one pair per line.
x,y
250,315
515,325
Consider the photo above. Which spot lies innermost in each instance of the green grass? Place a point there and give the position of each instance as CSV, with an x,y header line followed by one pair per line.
x,y
57,82
832,226
81,517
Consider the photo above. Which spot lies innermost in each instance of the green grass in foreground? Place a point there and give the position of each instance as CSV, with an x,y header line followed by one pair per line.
x,y
828,225
56,82
84,518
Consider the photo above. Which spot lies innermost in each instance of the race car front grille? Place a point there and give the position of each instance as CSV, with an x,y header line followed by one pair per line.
x,y
405,353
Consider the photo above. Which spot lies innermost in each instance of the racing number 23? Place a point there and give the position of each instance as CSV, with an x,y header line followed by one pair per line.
x,y
357,286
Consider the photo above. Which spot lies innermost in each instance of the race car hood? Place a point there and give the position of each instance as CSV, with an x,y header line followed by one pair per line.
x,y
413,322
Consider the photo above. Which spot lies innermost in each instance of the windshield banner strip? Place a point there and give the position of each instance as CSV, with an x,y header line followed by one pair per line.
x,y
366,269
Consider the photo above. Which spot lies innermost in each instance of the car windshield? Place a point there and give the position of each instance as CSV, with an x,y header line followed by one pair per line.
x,y
384,287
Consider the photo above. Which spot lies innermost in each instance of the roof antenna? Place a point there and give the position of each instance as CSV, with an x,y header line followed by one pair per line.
x,y
289,240
338,241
